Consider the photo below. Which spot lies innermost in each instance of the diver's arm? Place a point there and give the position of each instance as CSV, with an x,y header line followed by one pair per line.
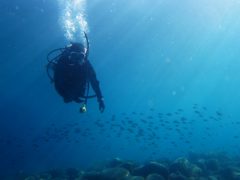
x,y
95,85
94,82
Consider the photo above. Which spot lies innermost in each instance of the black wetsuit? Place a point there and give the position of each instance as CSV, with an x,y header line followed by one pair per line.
x,y
71,79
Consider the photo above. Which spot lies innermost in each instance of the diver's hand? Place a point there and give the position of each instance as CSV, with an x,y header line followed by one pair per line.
x,y
101,105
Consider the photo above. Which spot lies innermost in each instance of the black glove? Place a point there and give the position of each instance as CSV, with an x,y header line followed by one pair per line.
x,y
101,105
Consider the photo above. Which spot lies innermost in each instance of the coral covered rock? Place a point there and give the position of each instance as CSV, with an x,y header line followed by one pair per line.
x,y
114,163
92,176
136,178
56,173
212,164
72,173
212,178
231,173
130,166
115,173
184,167
155,177
151,168
174,176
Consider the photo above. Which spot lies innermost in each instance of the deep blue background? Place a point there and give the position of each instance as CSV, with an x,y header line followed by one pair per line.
x,y
160,55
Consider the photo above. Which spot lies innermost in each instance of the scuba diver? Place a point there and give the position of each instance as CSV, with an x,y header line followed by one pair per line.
x,y
73,74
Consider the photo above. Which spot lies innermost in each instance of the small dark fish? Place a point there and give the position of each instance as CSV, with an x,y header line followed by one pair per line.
x,y
175,121
169,114
113,118
77,130
130,130
197,112
35,146
219,113
204,108
183,119
170,129
130,121
144,121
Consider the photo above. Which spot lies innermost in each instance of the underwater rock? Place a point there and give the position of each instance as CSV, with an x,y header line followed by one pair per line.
x,y
155,177
92,176
115,163
18,175
184,167
194,178
97,166
231,173
180,165
195,171
30,178
136,178
115,174
212,178
151,168
56,174
194,157
201,164
208,168
130,166
212,165
174,176
44,176
72,173
199,178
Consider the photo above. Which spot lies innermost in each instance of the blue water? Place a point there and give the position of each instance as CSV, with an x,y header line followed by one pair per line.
x,y
150,56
